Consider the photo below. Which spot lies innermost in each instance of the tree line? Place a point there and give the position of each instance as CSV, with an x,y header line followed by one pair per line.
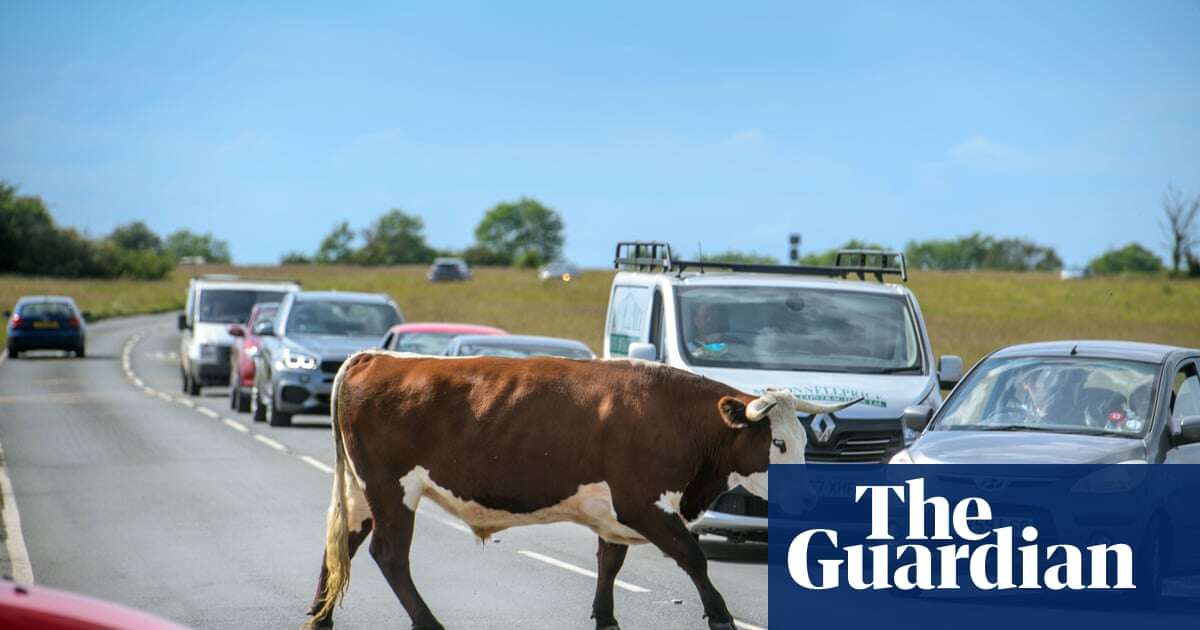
x,y
32,244
522,233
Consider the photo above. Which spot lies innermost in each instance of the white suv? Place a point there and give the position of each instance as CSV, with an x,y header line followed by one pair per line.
x,y
214,303
810,329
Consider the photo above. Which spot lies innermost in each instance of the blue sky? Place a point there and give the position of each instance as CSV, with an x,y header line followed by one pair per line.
x,y
726,125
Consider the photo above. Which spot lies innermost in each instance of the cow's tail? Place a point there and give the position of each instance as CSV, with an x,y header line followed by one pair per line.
x,y
337,523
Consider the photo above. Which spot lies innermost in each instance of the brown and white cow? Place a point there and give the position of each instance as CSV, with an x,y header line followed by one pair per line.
x,y
631,450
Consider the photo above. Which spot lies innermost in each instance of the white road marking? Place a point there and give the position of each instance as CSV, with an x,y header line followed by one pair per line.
x,y
165,396
149,391
237,426
138,382
18,555
447,522
208,412
269,442
633,588
747,626
185,402
316,463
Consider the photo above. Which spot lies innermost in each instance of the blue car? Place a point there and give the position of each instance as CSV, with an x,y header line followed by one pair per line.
x,y
46,322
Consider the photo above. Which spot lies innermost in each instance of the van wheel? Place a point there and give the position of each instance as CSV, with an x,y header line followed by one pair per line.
x,y
190,387
277,418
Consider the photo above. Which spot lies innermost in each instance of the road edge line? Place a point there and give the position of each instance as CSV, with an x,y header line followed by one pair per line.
x,y
18,554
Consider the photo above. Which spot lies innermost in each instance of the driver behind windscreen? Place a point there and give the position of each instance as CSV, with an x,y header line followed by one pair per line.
x,y
710,331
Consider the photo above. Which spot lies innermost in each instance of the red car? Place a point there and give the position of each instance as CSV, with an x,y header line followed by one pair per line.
x,y
430,338
241,355
41,608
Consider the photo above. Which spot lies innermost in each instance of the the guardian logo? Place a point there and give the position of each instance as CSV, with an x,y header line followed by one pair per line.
x,y
989,558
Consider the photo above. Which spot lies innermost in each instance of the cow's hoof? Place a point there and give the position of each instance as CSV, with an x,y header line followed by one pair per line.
x,y
313,624
721,625
611,626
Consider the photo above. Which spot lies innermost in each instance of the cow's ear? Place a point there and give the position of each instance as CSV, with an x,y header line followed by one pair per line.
x,y
733,411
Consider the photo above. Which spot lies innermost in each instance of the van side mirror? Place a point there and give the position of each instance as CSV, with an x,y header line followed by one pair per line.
x,y
950,371
644,351
917,417
1189,430
265,329
182,322
236,330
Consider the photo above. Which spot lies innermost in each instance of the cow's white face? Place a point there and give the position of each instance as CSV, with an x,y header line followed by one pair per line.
x,y
778,407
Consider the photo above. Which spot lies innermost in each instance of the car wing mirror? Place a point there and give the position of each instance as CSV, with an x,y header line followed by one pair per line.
x,y
950,371
917,417
181,323
1189,430
644,351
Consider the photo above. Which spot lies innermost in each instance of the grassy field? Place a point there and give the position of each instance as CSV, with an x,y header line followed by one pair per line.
x,y
968,314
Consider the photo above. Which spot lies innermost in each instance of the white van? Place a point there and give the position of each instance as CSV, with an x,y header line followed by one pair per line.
x,y
214,303
813,330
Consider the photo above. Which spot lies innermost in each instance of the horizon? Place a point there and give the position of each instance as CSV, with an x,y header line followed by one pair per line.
x,y
707,126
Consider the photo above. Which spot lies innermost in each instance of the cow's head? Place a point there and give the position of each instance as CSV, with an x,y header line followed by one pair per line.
x,y
772,435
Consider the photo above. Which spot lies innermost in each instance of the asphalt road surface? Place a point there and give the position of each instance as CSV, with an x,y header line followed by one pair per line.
x,y
132,492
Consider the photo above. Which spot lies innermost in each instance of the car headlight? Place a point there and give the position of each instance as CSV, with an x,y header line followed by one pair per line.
x,y
297,361
1111,480
901,458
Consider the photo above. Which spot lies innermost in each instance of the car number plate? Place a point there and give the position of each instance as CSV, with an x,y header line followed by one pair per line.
x,y
50,324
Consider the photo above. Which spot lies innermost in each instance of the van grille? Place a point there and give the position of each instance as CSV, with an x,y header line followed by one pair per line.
x,y
855,441
331,366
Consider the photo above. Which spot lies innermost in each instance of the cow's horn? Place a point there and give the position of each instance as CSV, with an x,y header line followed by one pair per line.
x,y
754,416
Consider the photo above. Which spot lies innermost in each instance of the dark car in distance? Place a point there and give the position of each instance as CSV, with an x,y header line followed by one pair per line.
x,y
448,270
46,322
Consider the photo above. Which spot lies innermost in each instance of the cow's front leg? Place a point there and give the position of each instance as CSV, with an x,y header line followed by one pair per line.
x,y
609,558
668,532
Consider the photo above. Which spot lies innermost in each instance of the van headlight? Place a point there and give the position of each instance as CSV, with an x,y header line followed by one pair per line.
x,y
296,361
933,400
901,458
1111,480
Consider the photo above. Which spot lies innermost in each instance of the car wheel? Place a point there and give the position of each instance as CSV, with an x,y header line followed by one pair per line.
x,y
235,397
80,352
257,410
190,386
275,417
14,354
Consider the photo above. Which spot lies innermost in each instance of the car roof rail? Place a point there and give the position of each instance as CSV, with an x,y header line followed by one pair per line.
x,y
657,256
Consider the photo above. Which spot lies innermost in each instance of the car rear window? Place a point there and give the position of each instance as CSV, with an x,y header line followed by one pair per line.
x,y
46,310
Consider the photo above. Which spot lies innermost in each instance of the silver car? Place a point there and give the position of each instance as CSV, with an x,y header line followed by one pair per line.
x,y
1069,402
304,345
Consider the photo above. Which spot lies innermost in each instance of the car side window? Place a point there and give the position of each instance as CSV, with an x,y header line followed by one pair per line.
x,y
628,321
387,341
1185,394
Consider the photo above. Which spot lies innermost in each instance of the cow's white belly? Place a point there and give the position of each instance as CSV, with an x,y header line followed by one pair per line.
x,y
590,506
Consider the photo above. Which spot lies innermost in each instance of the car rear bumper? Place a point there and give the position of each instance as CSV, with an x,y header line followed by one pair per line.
x,y
21,340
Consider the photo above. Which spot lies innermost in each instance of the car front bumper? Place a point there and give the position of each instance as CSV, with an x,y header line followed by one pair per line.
x,y
302,392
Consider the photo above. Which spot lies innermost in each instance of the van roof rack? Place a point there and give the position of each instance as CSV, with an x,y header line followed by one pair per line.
x,y
658,256
233,277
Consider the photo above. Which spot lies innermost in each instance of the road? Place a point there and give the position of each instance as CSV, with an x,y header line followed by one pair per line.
x,y
131,492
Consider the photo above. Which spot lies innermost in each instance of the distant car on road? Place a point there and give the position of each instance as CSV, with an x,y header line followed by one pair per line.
x,y
448,270
46,322
303,346
51,609
559,270
213,303
1068,402
430,338
241,356
517,346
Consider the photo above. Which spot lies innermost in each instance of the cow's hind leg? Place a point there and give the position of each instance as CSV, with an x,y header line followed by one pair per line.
x,y
668,533
389,547
609,558
356,539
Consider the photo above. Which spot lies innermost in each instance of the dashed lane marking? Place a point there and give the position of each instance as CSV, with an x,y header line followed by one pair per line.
x,y
185,402
237,426
269,442
316,463
633,588
208,412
